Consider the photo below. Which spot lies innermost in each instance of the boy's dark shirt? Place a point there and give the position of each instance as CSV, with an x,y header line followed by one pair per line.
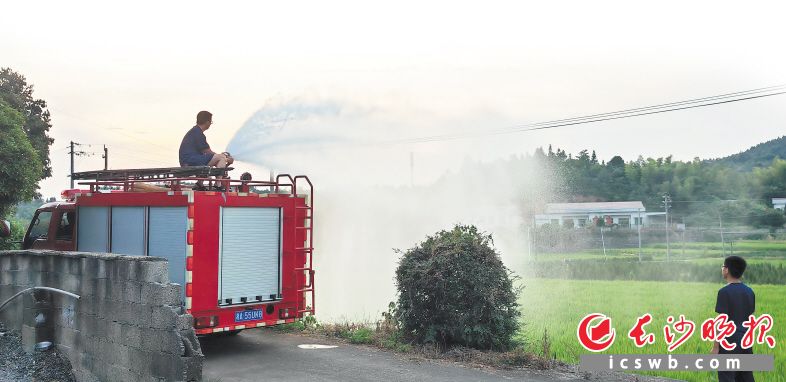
x,y
191,148
738,301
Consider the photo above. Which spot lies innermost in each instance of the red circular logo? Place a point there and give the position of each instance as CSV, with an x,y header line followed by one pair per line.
x,y
595,332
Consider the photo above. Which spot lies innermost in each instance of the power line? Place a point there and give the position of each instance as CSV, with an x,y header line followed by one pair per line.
x,y
119,130
152,161
111,127
636,112
154,157
150,154
671,104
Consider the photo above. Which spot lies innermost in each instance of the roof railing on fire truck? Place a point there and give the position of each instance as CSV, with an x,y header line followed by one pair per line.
x,y
153,173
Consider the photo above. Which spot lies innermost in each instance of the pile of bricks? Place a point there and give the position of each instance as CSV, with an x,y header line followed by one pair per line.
x,y
129,323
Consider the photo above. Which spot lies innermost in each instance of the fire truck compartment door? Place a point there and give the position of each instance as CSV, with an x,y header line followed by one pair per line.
x,y
128,231
249,255
167,238
93,229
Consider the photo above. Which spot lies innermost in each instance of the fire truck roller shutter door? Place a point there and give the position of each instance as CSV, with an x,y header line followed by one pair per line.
x,y
167,239
93,229
250,254
128,231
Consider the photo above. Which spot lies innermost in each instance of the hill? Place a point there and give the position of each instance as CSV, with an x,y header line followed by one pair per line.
x,y
760,155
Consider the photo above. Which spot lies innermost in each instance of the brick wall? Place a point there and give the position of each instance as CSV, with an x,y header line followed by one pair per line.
x,y
128,325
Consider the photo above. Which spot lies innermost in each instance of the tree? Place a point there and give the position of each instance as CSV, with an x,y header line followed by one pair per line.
x,y
583,157
21,166
771,181
616,162
454,289
18,94
773,218
761,216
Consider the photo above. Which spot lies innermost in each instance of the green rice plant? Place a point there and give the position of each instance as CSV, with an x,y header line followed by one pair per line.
x,y
676,270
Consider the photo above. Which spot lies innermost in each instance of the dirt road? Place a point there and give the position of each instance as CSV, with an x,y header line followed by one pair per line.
x,y
257,355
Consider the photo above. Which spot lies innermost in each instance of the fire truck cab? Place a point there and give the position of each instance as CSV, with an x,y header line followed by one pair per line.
x,y
241,249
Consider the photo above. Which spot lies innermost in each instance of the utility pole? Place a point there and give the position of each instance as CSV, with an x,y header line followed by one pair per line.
x,y
74,153
684,229
638,226
667,204
106,158
720,223
603,242
72,164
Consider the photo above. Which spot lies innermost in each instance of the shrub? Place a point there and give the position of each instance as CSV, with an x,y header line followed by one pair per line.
x,y
361,336
18,229
454,289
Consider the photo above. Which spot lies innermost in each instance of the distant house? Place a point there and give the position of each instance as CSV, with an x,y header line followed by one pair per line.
x,y
619,214
779,203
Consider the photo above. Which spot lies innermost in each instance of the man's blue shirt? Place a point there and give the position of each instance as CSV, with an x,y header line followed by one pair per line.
x,y
738,301
191,148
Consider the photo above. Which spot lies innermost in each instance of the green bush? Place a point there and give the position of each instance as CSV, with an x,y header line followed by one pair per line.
x,y
454,289
361,336
18,230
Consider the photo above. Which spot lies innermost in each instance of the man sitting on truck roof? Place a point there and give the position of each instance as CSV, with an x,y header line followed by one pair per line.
x,y
194,150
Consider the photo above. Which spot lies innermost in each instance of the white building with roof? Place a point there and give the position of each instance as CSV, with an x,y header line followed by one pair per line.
x,y
620,214
779,203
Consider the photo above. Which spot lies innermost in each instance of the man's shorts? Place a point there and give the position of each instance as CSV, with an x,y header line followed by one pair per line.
x,y
196,160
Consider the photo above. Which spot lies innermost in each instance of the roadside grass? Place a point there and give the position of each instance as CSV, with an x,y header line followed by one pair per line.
x,y
555,307
385,334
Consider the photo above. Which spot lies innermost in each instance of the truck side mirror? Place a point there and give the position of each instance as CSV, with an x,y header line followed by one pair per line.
x,y
5,228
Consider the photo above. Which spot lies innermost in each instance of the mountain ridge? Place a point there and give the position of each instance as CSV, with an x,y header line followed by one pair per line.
x,y
759,155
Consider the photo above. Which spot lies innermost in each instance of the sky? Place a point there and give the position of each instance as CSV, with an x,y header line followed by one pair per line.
x,y
133,75
309,87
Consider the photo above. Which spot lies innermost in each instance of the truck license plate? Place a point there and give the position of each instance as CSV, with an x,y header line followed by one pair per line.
x,y
248,315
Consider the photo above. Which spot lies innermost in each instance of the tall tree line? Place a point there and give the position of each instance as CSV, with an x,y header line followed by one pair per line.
x,y
703,192
24,141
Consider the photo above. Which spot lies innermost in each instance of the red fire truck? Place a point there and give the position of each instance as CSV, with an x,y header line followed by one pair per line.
x,y
241,249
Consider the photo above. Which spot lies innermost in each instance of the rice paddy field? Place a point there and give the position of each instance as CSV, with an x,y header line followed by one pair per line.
x,y
555,306
755,251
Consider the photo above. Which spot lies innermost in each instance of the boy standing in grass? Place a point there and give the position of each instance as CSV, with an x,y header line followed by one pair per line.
x,y
738,301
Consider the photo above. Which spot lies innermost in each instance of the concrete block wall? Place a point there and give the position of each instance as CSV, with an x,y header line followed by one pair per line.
x,y
128,325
